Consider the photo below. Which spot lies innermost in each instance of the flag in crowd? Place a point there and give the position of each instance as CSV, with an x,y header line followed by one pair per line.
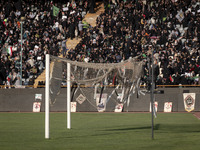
x,y
55,10
171,78
9,50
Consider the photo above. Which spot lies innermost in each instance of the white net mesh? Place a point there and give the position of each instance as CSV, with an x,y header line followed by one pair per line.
x,y
124,75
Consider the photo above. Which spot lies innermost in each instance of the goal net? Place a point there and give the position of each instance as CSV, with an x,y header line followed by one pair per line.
x,y
123,76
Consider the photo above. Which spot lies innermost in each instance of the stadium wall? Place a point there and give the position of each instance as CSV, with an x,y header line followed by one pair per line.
x,y
21,100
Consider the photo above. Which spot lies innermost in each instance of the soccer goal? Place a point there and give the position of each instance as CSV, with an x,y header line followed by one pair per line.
x,y
125,75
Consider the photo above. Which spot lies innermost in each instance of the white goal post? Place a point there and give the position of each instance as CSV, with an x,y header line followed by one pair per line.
x,y
47,66
47,97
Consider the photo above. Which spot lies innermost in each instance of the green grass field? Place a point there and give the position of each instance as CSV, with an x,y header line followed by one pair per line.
x,y
100,131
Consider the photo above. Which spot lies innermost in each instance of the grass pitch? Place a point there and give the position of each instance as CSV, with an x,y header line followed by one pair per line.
x,y
100,131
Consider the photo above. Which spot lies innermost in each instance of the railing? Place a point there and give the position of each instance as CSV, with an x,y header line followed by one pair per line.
x,y
178,86
89,86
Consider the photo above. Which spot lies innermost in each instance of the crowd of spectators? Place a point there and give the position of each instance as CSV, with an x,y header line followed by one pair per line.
x,y
126,29
133,28
43,32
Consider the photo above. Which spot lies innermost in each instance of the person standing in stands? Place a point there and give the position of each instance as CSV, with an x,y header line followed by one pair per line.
x,y
64,48
72,29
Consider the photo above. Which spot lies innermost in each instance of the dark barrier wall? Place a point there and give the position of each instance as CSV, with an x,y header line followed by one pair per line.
x,y
21,100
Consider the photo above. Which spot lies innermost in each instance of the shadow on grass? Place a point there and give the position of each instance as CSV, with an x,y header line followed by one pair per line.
x,y
129,128
123,128
186,128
